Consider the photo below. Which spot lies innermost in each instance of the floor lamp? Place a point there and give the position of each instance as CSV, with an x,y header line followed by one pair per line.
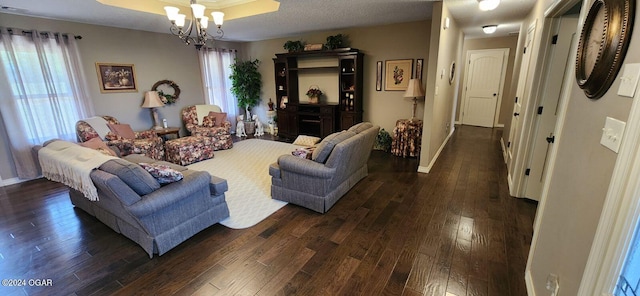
x,y
414,90
152,101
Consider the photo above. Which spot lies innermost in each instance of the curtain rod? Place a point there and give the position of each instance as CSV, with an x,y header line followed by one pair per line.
x,y
24,32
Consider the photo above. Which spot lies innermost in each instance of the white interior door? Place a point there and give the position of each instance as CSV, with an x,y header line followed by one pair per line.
x,y
483,84
517,106
557,77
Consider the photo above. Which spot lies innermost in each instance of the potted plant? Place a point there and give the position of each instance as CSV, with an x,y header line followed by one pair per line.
x,y
246,82
314,94
336,41
294,46
383,141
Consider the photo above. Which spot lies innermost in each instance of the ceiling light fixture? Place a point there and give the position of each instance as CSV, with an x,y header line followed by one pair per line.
x,y
199,24
489,29
486,5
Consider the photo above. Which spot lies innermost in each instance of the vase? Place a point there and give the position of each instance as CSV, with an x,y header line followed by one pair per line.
x,y
313,100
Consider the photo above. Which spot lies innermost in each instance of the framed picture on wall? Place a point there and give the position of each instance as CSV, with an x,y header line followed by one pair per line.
x,y
397,74
116,77
419,63
379,76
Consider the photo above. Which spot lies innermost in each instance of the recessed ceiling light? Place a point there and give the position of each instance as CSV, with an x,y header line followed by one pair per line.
x,y
489,29
486,5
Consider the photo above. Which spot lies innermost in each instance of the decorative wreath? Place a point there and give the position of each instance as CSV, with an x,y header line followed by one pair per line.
x,y
168,99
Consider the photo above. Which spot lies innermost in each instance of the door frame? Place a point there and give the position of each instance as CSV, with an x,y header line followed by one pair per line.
x,y
562,92
505,62
552,16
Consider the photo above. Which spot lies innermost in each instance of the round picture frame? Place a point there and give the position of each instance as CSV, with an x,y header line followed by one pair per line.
x,y
603,44
452,72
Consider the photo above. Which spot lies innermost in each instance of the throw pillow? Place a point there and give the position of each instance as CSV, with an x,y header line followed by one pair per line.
x,y
360,127
122,130
308,141
323,150
131,174
303,152
99,145
221,117
163,173
209,121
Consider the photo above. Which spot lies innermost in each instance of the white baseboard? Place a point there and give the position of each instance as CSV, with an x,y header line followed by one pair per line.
x,y
427,169
528,280
7,182
504,150
499,125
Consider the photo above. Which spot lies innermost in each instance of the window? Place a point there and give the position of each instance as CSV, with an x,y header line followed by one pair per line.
x,y
46,93
629,282
216,69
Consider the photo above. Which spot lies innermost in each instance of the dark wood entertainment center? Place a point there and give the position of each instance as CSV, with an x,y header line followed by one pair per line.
x,y
328,116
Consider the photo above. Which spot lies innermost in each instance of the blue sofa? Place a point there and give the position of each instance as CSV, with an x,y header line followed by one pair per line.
x,y
158,218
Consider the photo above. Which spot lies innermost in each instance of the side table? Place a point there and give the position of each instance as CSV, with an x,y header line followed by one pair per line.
x,y
407,138
164,132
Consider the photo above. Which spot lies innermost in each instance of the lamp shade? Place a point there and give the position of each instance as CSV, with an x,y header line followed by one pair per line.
x,y
152,100
414,89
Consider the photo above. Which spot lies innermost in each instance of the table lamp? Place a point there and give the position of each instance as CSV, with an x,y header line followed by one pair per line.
x,y
152,101
414,90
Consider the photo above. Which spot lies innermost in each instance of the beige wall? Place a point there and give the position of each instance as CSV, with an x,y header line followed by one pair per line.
x,y
162,56
445,47
378,43
155,57
581,177
510,42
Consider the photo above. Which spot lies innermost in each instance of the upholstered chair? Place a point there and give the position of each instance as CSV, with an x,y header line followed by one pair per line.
x,y
208,121
146,142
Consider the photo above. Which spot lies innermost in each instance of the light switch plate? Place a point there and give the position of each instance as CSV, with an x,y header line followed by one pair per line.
x,y
612,133
629,80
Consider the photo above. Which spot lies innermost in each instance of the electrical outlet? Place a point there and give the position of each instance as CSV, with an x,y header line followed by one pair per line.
x,y
553,284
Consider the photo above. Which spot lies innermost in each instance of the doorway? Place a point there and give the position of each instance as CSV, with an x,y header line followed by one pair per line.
x,y
484,81
557,76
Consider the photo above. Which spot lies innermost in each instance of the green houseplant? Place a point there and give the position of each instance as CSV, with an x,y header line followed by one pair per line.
x,y
335,41
383,141
293,46
246,82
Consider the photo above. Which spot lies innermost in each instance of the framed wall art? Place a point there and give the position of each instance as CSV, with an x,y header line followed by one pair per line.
x,y
397,74
379,76
419,63
116,77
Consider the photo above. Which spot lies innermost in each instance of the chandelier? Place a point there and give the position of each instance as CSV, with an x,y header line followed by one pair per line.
x,y
198,24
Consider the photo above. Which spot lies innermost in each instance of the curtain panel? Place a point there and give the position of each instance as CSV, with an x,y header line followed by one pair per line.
x,y
45,92
215,65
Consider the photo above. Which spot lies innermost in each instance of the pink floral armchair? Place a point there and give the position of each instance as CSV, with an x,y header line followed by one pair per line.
x,y
193,118
145,142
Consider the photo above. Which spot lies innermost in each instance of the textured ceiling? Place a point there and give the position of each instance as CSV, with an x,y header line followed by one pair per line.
x,y
295,17
508,16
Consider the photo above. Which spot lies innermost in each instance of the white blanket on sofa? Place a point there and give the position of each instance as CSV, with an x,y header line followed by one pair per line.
x,y
71,164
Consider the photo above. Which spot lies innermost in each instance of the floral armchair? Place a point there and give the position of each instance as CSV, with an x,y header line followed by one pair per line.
x,y
197,125
145,142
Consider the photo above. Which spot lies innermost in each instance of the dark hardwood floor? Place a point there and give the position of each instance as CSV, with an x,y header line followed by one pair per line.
x,y
454,231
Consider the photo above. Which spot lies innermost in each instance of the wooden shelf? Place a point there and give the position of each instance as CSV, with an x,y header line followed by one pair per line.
x,y
319,119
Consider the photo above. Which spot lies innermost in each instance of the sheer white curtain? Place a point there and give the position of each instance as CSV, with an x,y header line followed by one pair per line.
x,y
215,64
44,91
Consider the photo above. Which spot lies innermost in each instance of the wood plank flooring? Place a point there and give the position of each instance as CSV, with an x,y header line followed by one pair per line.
x,y
454,231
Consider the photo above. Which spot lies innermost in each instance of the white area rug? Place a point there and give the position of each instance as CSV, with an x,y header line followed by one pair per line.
x,y
246,169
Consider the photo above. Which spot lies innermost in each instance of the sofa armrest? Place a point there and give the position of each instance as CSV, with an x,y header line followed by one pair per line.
x,y
305,167
218,186
170,194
